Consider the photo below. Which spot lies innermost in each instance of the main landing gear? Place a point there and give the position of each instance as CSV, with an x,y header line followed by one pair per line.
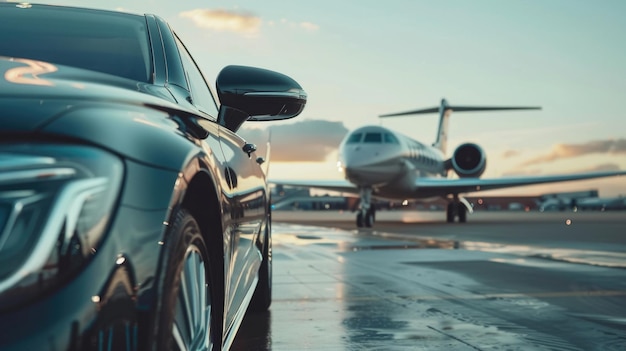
x,y
456,208
366,215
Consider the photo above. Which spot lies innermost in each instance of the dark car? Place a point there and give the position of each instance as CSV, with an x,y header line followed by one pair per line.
x,y
132,216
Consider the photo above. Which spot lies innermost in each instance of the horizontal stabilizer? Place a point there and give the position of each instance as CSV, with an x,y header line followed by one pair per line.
x,y
445,110
460,109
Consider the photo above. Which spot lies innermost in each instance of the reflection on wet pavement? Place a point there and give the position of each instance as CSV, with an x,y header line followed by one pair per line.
x,y
364,290
596,258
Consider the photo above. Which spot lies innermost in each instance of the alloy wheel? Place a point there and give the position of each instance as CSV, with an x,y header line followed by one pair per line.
x,y
191,329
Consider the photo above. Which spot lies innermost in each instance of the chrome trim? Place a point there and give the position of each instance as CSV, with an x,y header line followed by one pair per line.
x,y
35,175
14,160
240,314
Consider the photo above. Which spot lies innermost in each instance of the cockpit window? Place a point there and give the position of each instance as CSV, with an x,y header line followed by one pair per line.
x,y
373,138
354,138
390,139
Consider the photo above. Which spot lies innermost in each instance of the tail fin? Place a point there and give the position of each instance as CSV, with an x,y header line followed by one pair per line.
x,y
445,110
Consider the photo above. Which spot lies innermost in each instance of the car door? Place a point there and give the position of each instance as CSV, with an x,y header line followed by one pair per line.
x,y
245,198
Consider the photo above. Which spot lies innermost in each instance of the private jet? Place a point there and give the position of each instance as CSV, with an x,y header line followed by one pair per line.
x,y
381,163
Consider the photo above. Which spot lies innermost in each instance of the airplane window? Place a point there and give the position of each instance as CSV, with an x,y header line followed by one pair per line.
x,y
354,138
390,139
373,138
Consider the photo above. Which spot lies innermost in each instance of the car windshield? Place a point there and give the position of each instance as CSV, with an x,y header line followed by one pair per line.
x,y
106,42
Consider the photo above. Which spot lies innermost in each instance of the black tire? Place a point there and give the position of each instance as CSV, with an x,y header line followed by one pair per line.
x,y
187,292
450,213
262,298
359,219
462,211
369,219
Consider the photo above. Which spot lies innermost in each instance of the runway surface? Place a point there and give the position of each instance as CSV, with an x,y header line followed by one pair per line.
x,y
503,281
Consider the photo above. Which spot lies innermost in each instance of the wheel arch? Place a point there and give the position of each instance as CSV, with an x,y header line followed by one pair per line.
x,y
201,199
202,202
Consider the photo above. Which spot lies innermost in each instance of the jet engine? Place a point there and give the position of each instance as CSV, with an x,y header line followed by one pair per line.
x,y
468,161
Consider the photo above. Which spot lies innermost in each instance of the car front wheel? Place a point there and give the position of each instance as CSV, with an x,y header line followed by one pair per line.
x,y
186,315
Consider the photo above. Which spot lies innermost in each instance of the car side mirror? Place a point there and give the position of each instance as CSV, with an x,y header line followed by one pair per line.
x,y
258,94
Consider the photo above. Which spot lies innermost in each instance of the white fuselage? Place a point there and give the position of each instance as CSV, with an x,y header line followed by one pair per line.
x,y
388,161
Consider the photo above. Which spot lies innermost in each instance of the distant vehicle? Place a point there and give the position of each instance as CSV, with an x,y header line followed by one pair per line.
x,y
602,204
379,162
593,203
307,203
555,204
564,200
132,215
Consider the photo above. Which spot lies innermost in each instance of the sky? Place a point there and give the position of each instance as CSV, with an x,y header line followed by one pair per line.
x,y
359,59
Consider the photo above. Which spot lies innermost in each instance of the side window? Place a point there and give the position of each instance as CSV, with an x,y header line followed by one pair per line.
x,y
391,139
201,95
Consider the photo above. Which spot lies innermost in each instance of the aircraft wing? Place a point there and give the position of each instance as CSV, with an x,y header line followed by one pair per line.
x,y
339,185
432,187
444,186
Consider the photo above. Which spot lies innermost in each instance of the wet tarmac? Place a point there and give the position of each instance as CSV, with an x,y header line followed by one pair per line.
x,y
506,281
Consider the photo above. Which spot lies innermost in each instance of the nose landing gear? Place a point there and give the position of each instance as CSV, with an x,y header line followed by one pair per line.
x,y
365,218
366,215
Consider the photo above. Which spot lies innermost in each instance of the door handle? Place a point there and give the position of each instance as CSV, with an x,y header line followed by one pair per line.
x,y
249,148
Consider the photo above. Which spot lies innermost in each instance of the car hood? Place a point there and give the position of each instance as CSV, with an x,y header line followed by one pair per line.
x,y
34,92
136,120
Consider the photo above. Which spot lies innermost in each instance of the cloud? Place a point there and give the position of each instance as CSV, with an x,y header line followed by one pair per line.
x,y
560,151
605,167
303,141
510,153
522,173
309,26
224,20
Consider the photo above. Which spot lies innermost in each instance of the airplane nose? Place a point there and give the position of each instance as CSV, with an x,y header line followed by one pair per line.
x,y
361,162
354,159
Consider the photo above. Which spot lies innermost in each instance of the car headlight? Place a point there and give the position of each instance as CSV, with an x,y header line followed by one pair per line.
x,y
55,205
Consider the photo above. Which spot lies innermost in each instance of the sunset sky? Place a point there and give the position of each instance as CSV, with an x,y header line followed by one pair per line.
x,y
360,59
